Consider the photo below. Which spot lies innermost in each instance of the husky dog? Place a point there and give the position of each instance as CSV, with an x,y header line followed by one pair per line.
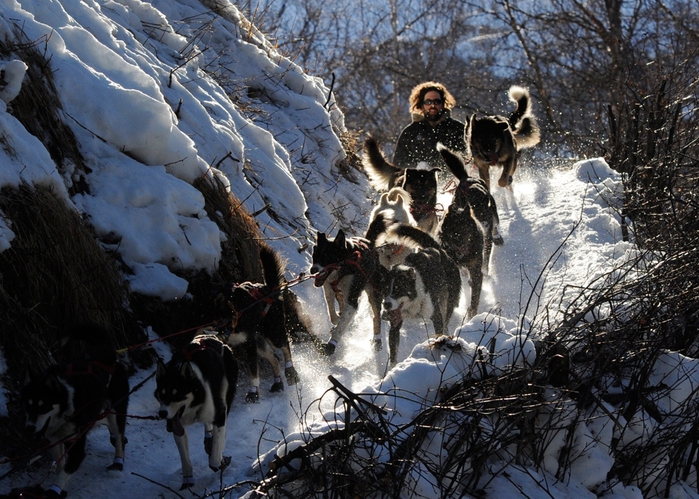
x,y
66,402
497,140
346,267
426,285
198,384
420,183
467,229
258,323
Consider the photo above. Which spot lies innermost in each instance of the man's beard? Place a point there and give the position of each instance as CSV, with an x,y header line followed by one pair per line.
x,y
435,117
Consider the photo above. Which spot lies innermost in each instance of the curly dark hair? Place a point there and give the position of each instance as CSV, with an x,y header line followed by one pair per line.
x,y
417,95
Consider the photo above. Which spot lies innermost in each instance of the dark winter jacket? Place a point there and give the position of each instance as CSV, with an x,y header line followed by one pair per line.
x,y
418,141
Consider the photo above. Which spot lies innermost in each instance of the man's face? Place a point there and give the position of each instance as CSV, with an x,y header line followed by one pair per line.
x,y
432,105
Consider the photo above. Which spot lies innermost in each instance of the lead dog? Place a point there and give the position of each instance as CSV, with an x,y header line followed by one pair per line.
x,y
466,232
198,384
419,183
258,323
427,285
67,400
497,140
345,267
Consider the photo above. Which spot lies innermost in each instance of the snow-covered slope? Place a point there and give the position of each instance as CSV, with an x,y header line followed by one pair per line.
x,y
161,93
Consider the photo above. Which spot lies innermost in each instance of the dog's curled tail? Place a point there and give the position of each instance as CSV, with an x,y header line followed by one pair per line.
x,y
522,121
272,267
398,195
454,162
381,173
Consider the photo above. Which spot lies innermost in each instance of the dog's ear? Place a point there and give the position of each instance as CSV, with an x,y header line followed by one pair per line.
x,y
340,239
383,200
322,237
187,371
53,382
160,370
467,129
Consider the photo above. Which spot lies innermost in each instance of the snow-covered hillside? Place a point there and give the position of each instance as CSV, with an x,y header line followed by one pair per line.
x,y
161,93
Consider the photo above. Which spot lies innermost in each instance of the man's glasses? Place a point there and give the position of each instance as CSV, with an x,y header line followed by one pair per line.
x,y
429,102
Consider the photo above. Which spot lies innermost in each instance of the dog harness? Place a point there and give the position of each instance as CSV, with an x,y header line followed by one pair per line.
x,y
189,350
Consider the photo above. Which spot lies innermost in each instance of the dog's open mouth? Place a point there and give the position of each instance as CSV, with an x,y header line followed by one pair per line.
x,y
320,278
394,317
174,425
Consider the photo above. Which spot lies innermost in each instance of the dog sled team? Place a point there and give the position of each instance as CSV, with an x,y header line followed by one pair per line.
x,y
409,263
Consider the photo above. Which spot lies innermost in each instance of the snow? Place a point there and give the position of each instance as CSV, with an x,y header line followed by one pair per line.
x,y
162,93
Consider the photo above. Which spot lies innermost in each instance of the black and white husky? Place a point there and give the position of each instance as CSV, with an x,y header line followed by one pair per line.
x,y
258,323
198,384
426,286
345,267
468,228
67,400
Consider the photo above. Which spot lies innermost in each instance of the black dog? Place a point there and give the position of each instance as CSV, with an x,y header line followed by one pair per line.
x,y
467,229
420,183
258,323
497,141
66,402
426,285
346,267
198,384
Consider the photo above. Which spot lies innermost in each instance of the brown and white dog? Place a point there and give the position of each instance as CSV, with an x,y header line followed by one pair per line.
x,y
498,140
420,183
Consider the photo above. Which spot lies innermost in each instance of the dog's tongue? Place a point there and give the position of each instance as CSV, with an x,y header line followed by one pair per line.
x,y
174,425
494,159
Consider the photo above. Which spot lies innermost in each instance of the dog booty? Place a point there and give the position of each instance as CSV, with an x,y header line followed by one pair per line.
x,y
329,348
292,376
208,442
497,238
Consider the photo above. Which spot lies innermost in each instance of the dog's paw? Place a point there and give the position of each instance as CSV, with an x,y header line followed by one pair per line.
x,y
292,376
277,387
208,442
377,344
328,349
223,464
252,398
116,467
187,483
